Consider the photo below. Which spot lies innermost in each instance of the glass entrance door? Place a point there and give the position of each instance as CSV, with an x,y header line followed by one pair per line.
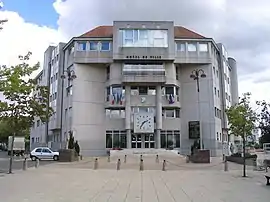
x,y
149,141
136,141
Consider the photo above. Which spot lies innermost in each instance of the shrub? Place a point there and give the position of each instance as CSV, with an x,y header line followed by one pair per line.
x,y
77,147
71,140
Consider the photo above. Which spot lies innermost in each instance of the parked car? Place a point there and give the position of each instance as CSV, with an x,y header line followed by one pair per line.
x,y
44,153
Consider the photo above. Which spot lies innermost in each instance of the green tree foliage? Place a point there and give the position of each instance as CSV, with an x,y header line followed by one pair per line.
x,y
71,140
242,120
21,106
264,121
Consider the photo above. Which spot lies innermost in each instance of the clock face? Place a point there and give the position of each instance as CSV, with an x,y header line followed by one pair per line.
x,y
144,123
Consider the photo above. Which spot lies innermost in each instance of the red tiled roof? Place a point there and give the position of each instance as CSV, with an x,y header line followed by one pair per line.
x,y
107,32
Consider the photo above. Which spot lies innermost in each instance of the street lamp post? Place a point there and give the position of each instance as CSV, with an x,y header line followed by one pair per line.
x,y
196,75
70,76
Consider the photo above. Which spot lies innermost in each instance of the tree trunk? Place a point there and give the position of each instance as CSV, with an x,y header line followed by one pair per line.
x,y
244,156
11,154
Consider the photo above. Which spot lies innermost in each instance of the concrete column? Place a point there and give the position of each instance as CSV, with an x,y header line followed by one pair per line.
x,y
157,140
128,115
158,115
128,131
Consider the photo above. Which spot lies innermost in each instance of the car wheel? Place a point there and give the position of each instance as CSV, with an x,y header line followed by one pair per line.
x,y
33,158
55,158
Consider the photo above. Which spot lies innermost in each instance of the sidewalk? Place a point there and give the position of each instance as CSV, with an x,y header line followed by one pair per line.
x,y
54,184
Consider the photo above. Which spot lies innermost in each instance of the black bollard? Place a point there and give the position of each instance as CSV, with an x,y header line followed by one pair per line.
x,y
141,165
118,164
96,164
164,165
25,164
157,159
37,163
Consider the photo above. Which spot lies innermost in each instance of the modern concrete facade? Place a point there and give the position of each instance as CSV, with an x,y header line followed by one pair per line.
x,y
133,88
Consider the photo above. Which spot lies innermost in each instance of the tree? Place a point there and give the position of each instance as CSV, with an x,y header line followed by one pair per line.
x,y
264,121
71,140
242,120
21,105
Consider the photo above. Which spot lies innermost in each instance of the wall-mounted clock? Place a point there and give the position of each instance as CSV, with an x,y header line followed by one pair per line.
x,y
143,123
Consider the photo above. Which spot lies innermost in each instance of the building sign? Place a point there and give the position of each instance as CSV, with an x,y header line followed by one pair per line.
x,y
194,129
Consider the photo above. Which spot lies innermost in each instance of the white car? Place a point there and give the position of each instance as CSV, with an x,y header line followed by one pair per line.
x,y
44,153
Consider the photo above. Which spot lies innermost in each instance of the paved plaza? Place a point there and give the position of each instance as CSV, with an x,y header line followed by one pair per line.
x,y
70,182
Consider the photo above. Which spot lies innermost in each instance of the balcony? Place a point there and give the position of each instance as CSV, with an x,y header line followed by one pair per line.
x,y
143,74
95,57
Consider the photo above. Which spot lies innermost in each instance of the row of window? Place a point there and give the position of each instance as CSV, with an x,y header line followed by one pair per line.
x,y
94,46
53,97
191,47
120,113
33,140
217,113
142,90
118,139
144,38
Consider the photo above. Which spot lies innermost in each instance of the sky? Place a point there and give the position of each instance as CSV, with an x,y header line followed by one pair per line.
x,y
241,25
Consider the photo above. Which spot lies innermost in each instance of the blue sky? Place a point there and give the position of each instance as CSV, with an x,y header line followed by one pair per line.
x,y
40,12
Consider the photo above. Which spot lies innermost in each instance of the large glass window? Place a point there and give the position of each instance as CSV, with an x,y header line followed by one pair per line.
x,y
105,46
145,38
171,113
192,47
116,139
181,47
170,139
116,113
81,46
203,47
93,46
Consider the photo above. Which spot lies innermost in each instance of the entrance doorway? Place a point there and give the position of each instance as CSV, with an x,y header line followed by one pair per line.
x,y
149,141
136,141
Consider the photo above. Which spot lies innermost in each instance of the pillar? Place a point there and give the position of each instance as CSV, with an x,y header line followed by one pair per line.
x,y
158,115
128,115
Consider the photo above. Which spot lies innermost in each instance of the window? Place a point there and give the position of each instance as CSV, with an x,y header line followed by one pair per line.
x,y
116,139
203,47
93,46
108,93
228,79
171,113
116,113
217,73
38,150
144,38
33,139
105,46
143,90
192,47
215,89
218,93
46,151
81,46
151,90
181,47
214,70
170,139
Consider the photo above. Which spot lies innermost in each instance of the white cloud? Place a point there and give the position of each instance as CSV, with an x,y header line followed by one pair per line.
x,y
18,37
241,25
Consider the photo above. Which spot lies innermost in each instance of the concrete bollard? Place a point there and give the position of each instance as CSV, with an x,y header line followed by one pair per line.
x,y
25,164
109,159
96,164
125,159
225,165
187,159
37,163
164,165
254,164
81,157
157,159
118,164
141,157
141,165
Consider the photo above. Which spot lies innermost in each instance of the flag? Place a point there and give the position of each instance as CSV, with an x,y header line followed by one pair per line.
x,y
171,99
